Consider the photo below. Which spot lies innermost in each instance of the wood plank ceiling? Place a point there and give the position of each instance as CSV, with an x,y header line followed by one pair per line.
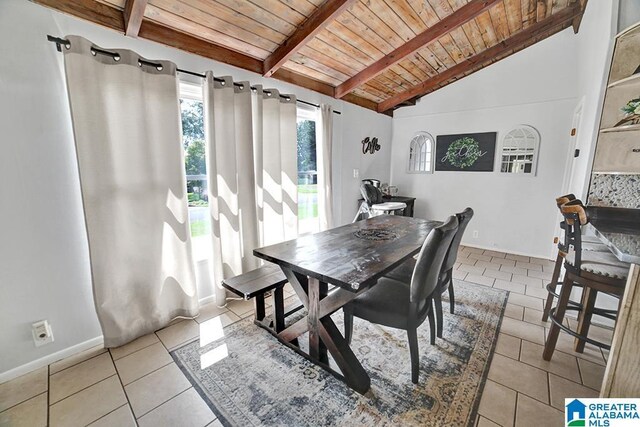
x,y
380,54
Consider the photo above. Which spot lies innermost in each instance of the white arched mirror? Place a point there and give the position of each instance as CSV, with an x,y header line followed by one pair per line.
x,y
519,153
421,153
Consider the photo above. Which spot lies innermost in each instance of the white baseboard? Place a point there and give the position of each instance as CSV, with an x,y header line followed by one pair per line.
x,y
506,251
47,360
64,353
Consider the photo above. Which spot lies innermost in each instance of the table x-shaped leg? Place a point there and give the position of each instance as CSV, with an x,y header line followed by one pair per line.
x,y
322,331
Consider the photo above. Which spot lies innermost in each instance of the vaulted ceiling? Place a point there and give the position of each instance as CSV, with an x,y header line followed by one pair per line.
x,y
380,54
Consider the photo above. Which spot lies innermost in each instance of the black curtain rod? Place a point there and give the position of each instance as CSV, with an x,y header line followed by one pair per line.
x,y
60,42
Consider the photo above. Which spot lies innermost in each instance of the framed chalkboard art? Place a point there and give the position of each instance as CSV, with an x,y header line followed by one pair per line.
x,y
467,152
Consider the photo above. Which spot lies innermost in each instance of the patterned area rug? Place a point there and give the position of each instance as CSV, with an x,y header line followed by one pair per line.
x,y
248,378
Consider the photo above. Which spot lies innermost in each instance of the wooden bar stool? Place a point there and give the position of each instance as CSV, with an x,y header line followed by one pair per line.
x,y
594,272
589,243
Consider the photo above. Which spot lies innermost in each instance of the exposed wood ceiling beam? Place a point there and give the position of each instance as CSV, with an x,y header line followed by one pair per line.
x,y
461,16
89,10
133,14
169,37
299,80
578,19
112,18
305,32
524,38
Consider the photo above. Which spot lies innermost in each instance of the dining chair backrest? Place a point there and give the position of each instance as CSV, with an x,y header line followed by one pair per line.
x,y
427,270
370,194
463,220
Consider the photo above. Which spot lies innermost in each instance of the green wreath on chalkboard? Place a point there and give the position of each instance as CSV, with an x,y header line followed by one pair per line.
x,y
463,152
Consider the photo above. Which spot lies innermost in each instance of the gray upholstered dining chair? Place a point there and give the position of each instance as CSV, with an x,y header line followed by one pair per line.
x,y
394,304
445,282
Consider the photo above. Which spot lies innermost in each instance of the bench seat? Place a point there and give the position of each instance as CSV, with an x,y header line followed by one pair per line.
x,y
256,282
254,285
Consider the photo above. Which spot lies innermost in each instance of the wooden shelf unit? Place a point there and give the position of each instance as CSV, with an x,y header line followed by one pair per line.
x,y
618,147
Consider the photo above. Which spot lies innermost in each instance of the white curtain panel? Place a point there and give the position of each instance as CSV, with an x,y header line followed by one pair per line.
x,y
230,167
126,122
323,156
252,166
279,167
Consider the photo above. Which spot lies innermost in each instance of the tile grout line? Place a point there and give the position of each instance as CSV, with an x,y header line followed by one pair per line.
x,y
133,352
75,364
156,407
163,402
126,396
48,395
108,413
515,410
528,364
521,392
148,373
28,399
81,390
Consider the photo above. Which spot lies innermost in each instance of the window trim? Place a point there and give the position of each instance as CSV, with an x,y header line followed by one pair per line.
x,y
536,151
189,90
431,155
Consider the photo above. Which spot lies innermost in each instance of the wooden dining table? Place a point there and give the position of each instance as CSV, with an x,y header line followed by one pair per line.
x,y
351,258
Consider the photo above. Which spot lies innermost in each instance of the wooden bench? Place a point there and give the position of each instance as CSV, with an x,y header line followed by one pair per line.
x,y
254,285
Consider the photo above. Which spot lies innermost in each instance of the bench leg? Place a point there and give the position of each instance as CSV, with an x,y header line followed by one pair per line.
x,y
259,305
278,309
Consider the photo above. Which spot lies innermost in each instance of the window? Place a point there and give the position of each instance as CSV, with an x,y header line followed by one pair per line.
x,y
421,153
308,220
520,150
191,108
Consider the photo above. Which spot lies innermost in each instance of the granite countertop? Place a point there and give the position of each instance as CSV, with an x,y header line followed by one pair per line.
x,y
619,229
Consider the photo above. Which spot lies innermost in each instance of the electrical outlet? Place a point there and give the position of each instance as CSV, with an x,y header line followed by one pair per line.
x,y
475,234
356,173
42,333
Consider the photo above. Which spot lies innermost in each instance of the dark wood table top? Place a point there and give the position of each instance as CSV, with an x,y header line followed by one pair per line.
x,y
354,255
619,229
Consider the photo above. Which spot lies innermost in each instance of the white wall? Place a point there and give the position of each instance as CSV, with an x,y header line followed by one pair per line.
x,y
540,86
512,213
629,14
594,49
44,270
360,124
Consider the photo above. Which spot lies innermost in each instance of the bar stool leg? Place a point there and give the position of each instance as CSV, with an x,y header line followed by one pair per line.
x,y
584,318
552,286
561,308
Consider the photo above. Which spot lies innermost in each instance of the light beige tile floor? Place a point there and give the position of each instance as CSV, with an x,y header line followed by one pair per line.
x,y
139,384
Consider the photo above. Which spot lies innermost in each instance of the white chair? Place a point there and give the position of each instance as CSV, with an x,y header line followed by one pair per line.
x,y
373,204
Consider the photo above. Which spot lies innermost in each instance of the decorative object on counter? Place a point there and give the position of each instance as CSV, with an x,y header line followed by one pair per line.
x,y
466,152
632,113
421,153
393,190
370,145
519,152
613,190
